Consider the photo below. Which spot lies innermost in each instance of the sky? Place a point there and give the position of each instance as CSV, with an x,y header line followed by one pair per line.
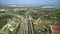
x,y
32,2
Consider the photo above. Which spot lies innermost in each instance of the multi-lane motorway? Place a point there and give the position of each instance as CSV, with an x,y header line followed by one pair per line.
x,y
26,25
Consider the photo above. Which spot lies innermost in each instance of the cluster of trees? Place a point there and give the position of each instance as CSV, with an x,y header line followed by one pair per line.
x,y
43,17
9,23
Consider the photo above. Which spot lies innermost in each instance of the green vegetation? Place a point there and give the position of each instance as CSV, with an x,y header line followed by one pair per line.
x,y
8,23
42,17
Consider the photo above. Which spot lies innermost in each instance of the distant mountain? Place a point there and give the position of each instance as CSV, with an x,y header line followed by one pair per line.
x,y
51,7
28,5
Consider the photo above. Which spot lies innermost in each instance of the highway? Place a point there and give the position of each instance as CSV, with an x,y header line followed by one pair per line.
x,y
29,23
26,26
